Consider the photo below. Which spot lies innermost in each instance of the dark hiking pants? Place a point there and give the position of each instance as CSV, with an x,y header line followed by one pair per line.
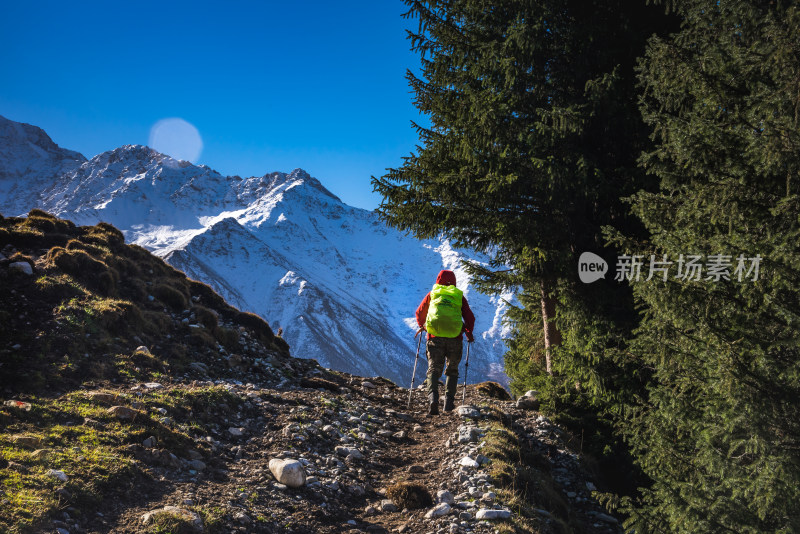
x,y
441,350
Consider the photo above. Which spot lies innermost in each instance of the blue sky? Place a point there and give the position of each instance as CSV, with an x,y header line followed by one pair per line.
x,y
269,85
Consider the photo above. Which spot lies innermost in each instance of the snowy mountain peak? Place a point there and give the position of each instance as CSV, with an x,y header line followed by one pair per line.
x,y
20,136
30,162
341,284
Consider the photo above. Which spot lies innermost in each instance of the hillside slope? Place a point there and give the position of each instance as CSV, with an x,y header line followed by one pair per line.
x,y
137,400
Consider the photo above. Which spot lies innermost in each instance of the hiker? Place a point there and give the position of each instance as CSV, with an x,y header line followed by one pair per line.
x,y
440,314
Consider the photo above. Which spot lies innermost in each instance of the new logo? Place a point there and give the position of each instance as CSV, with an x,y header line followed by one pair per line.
x,y
591,267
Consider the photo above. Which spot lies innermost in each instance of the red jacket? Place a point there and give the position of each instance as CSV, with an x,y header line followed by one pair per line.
x,y
447,278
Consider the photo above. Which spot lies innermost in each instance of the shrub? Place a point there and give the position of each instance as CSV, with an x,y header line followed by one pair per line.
x,y
105,235
493,390
207,296
258,325
170,296
36,212
409,495
80,264
206,317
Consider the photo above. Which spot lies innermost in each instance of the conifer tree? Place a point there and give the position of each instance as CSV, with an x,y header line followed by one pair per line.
x,y
719,432
533,140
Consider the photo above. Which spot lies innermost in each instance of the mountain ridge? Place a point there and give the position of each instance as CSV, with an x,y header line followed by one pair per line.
x,y
335,278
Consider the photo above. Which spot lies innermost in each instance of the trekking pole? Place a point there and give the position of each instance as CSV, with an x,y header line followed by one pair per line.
x,y
414,374
466,367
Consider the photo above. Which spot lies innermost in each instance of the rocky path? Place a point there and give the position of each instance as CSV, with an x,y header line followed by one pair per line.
x,y
355,440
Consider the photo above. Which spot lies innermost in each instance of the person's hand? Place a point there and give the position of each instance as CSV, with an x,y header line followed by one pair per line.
x,y
470,337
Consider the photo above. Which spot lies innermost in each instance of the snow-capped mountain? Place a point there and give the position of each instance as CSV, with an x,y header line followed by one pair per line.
x,y
341,284
29,163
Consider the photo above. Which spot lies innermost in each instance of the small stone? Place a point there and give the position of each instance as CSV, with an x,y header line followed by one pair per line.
x,y
123,412
152,385
22,267
388,506
60,475
241,517
466,461
199,367
368,385
465,516
349,452
142,348
60,530
415,469
400,435
439,510
288,472
149,443
370,510
197,465
468,411
485,513
444,496
528,403
418,428
591,487
236,432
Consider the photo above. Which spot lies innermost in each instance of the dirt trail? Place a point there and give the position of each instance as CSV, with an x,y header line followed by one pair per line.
x,y
231,489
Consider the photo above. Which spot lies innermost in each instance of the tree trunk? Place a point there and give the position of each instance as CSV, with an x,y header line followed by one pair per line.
x,y
552,336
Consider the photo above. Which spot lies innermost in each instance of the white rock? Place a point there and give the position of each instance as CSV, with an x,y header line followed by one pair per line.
x,y
485,513
142,348
236,432
242,518
531,393
388,506
439,510
288,472
197,465
444,496
152,385
466,461
528,403
468,411
20,267
60,475
349,452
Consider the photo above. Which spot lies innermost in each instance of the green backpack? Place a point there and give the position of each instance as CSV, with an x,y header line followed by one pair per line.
x,y
444,312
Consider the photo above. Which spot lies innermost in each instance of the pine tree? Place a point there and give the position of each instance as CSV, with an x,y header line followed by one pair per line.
x,y
534,137
719,432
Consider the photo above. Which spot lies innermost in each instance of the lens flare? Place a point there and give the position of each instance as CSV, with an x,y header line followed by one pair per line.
x,y
177,138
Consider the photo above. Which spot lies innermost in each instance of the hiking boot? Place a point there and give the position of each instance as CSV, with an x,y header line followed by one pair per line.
x,y
449,403
433,403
